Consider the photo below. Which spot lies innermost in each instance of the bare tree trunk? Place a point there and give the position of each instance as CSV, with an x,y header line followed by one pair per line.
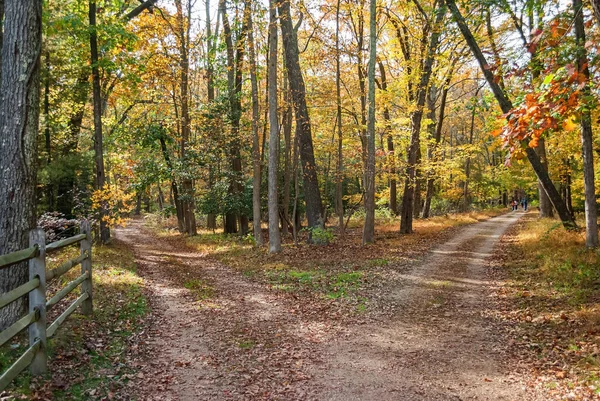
x,y
19,117
274,234
256,177
312,196
587,150
506,106
369,227
98,138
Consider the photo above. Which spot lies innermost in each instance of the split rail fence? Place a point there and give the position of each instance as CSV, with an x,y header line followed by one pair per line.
x,y
35,320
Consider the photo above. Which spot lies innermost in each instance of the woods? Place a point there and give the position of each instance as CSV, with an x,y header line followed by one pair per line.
x,y
289,199
295,115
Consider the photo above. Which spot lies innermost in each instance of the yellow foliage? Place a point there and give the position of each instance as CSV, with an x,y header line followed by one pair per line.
x,y
115,201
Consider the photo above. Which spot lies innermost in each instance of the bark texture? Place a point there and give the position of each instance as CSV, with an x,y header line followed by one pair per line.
x,y
19,116
312,196
274,234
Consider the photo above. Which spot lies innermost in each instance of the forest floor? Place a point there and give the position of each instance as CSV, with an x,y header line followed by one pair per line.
x,y
414,320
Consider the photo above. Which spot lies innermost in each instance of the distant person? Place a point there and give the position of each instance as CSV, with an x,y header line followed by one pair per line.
x,y
524,203
514,204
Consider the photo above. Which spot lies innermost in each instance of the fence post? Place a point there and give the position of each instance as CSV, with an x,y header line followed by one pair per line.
x,y
37,301
86,266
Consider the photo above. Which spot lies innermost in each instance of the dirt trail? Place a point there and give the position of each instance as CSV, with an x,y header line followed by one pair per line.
x,y
249,343
440,344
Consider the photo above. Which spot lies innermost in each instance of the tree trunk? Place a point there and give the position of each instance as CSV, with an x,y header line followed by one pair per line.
x,y
587,145
256,167
19,117
393,204
466,198
506,106
312,196
211,218
187,185
98,138
274,234
235,58
407,210
339,176
369,227
287,170
546,209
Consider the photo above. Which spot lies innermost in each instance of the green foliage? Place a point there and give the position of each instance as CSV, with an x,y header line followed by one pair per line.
x,y
320,235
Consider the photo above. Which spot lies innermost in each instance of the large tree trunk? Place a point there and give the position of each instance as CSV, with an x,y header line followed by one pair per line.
x,y
587,150
256,176
98,138
312,196
19,116
506,106
407,210
369,227
274,234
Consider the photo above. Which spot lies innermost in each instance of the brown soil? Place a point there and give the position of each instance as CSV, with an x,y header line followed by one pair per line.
x,y
232,338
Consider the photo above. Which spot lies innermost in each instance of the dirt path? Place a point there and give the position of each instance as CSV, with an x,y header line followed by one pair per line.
x,y
439,342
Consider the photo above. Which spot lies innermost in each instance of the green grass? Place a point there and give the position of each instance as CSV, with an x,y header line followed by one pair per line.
x,y
201,288
329,285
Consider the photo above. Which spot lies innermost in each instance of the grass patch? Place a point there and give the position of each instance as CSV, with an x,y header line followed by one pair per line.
x,y
200,288
246,344
87,356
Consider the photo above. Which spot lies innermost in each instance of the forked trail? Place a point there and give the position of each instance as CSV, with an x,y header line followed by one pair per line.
x,y
246,342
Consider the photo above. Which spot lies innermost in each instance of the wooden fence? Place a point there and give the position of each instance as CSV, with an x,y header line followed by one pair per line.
x,y
35,320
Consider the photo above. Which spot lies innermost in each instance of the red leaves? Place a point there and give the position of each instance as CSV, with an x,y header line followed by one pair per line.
x,y
544,111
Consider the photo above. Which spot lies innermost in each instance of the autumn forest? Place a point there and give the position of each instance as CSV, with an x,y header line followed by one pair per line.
x,y
337,163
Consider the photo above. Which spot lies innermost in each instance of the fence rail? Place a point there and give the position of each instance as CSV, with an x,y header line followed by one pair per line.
x,y
35,320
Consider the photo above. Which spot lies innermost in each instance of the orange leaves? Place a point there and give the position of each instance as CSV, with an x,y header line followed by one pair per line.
x,y
544,111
